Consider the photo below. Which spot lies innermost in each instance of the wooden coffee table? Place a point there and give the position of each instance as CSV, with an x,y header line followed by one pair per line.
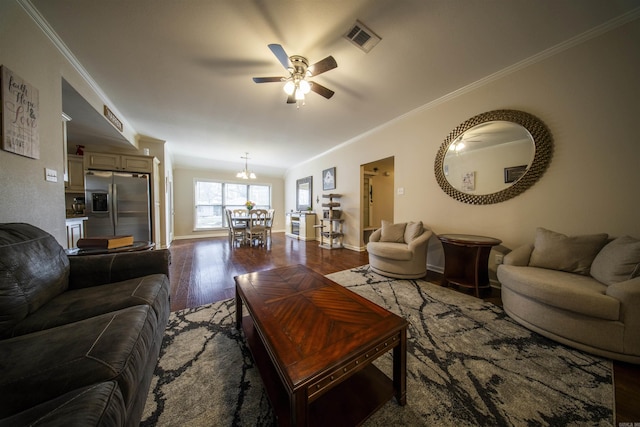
x,y
313,342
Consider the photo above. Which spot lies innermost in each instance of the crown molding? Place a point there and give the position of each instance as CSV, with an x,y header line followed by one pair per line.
x,y
42,23
597,31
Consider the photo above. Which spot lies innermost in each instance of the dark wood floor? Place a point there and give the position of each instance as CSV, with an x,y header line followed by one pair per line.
x,y
202,272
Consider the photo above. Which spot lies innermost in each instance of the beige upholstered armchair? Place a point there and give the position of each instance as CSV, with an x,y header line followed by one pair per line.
x,y
399,250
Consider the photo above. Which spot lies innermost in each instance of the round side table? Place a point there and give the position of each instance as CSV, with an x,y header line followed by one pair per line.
x,y
466,260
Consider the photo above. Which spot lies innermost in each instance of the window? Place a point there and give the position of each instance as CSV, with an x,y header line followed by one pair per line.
x,y
208,205
261,195
236,195
212,198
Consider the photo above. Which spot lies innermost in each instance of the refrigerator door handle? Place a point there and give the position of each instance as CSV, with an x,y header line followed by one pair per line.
x,y
114,193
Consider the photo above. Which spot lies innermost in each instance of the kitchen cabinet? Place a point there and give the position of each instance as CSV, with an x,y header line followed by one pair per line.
x,y
103,161
137,163
116,162
75,231
155,202
65,120
75,168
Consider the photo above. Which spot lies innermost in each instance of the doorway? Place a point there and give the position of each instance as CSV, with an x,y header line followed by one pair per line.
x,y
376,198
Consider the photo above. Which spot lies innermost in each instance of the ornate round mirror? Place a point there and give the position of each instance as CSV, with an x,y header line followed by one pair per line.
x,y
493,157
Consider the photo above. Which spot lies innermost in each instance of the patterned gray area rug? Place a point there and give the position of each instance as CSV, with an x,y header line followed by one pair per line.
x,y
468,364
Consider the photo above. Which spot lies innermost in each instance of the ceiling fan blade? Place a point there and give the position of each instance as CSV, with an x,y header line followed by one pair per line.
x,y
320,67
321,90
267,79
291,99
282,56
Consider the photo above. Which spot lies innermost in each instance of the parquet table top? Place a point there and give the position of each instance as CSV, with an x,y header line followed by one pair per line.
x,y
316,332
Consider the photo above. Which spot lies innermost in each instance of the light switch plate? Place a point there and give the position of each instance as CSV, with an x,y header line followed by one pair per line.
x,y
50,175
400,191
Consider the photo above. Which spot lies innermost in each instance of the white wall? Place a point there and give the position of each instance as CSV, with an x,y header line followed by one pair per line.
x,y
587,95
184,202
24,194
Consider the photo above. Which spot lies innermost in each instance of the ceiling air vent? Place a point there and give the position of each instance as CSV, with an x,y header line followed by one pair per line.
x,y
362,36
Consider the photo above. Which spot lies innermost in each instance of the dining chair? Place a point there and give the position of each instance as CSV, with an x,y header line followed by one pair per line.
x,y
257,226
271,214
240,212
237,230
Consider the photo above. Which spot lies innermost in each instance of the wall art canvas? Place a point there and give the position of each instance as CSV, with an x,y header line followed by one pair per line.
x,y
329,179
20,115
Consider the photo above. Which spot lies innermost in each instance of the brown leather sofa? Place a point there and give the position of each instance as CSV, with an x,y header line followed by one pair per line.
x,y
79,336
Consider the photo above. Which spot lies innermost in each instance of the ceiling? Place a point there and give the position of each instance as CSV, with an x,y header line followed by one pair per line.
x,y
181,70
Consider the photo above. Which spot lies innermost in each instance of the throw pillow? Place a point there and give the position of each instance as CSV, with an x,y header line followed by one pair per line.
x,y
617,261
413,230
392,232
557,251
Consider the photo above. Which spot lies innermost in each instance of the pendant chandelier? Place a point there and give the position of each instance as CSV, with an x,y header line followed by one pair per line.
x,y
245,173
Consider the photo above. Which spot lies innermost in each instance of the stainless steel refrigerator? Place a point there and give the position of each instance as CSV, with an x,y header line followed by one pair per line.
x,y
117,203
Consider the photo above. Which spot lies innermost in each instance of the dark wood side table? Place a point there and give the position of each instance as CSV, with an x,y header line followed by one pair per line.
x,y
466,260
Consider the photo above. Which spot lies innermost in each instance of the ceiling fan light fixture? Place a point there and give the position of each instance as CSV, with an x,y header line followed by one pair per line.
x,y
296,85
304,86
289,87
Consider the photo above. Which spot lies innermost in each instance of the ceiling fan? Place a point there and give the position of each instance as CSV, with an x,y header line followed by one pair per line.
x,y
297,85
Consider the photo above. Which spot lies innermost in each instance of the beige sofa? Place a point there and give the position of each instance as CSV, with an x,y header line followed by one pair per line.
x,y
582,291
399,250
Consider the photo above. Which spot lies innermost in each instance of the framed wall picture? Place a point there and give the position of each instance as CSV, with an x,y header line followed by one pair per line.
x,y
329,179
469,181
20,115
514,173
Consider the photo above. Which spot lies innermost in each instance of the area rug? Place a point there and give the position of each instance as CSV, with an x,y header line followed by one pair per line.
x,y
468,364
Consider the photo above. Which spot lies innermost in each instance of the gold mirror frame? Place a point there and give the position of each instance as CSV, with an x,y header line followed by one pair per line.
x,y
543,150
